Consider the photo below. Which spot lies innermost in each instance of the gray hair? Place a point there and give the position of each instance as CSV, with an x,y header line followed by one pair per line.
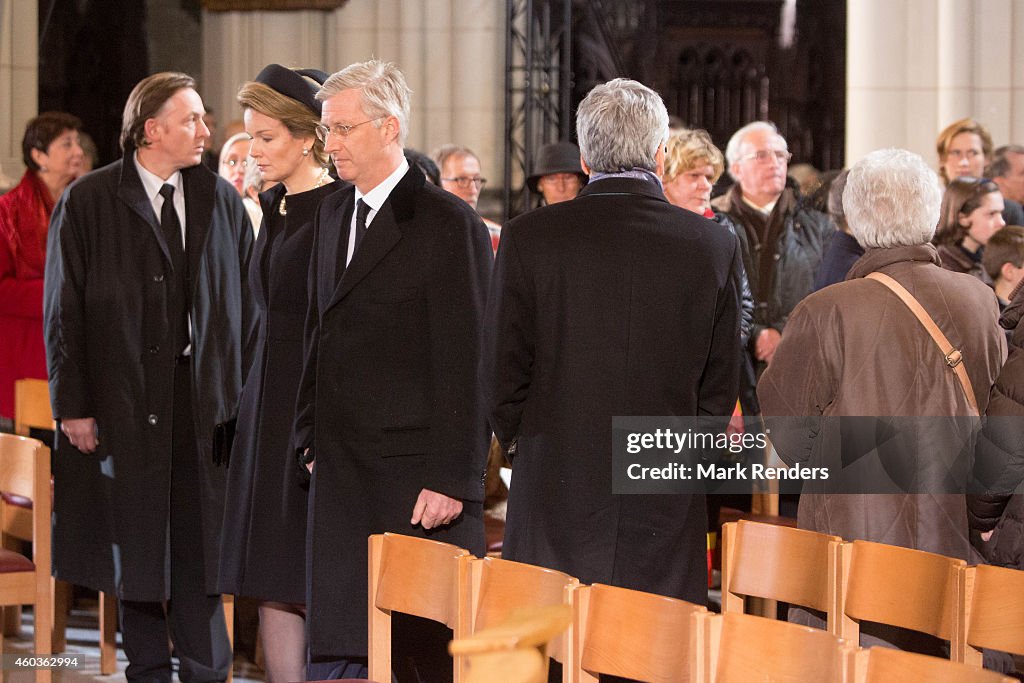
x,y
620,125
384,91
1000,164
892,199
732,150
442,154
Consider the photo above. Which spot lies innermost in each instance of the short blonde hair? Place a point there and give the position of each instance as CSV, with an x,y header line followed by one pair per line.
x,y
688,149
967,125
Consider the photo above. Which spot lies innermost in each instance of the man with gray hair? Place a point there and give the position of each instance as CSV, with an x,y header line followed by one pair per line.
x,y
1007,171
616,303
854,349
783,239
389,417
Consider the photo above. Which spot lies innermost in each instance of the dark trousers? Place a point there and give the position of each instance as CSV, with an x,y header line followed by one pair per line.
x,y
193,620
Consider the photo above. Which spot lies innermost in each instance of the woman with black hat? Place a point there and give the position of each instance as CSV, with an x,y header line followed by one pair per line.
x,y
263,547
557,175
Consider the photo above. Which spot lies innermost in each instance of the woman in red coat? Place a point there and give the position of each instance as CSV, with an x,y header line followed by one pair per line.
x,y
53,155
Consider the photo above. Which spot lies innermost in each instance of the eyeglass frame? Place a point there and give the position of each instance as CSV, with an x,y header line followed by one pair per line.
x,y
323,133
762,156
463,181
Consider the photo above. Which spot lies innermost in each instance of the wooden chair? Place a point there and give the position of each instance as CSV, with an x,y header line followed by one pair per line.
x,y
992,614
32,410
779,563
637,635
901,587
500,587
414,576
25,471
506,644
746,648
885,665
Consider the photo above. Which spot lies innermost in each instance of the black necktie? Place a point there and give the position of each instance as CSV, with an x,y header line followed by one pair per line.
x,y
172,235
362,210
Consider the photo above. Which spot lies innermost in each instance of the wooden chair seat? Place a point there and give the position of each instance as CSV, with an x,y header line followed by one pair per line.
x,y
11,561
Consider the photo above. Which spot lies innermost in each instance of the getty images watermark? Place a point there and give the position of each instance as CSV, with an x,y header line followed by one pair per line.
x,y
816,454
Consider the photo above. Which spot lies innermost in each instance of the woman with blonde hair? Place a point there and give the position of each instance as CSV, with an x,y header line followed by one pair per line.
x,y
263,547
972,211
237,167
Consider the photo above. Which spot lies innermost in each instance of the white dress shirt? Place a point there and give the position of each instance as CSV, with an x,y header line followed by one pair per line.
x,y
375,199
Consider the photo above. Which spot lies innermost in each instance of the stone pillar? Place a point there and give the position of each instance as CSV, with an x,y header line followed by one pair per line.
x,y
19,74
915,66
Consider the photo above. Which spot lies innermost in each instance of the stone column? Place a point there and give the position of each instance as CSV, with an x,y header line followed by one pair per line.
x,y
914,66
19,74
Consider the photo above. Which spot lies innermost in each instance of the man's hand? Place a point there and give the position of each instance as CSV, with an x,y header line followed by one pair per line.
x,y
309,465
434,509
81,433
767,341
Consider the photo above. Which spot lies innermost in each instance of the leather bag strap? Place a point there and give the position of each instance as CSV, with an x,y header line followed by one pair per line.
x,y
954,358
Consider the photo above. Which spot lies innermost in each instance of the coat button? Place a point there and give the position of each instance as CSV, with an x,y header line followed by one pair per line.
x,y
154,349
158,278
152,419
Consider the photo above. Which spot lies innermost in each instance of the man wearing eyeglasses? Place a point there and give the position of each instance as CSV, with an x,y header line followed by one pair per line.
x,y
389,417
782,238
460,175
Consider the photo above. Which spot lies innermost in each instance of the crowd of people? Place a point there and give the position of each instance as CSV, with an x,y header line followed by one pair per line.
x,y
253,373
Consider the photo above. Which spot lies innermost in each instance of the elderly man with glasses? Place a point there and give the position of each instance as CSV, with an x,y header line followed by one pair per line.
x,y
782,238
460,175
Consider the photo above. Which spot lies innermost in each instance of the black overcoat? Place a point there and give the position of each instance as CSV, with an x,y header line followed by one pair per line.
x,y
613,303
389,398
110,354
263,553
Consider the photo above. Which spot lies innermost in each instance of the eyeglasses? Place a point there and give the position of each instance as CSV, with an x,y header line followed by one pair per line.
x,y
764,156
236,162
463,181
339,129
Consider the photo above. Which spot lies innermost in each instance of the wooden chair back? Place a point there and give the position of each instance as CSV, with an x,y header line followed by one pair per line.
x,y
499,587
32,405
910,589
25,471
781,563
993,613
414,576
885,665
637,635
746,648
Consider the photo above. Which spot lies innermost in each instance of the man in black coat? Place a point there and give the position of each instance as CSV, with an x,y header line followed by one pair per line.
x,y
145,312
613,303
389,418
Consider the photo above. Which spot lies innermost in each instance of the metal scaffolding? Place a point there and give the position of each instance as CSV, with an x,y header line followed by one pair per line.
x,y
538,88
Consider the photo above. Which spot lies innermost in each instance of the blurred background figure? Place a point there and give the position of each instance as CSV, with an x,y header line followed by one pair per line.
x,y
91,155
1003,261
842,250
239,169
1006,168
460,175
557,174
808,178
53,158
425,164
965,149
972,211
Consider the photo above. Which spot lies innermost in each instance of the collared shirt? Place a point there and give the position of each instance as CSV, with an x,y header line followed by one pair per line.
x,y
766,209
375,199
152,183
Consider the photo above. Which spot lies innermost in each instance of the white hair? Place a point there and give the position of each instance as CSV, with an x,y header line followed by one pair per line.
x,y
620,125
732,150
892,199
384,91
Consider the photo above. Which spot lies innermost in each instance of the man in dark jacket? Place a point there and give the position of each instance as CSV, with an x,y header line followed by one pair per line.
x,y
145,313
389,416
616,303
782,239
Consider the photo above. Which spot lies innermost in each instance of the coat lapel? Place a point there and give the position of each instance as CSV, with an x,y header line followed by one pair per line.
x,y
131,192
200,185
333,246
